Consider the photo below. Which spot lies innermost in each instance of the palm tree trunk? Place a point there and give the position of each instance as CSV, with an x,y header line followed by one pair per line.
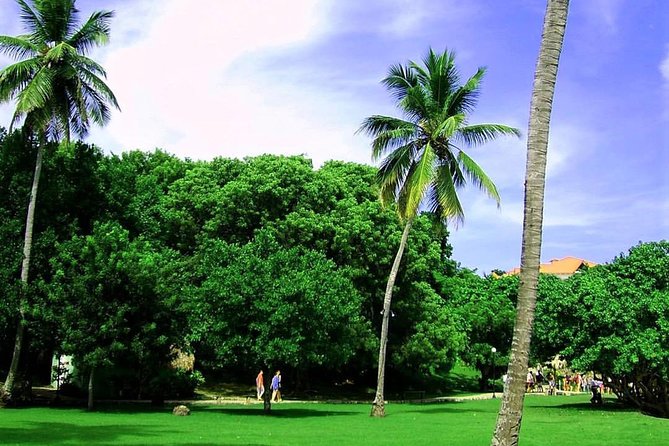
x,y
91,388
25,267
378,407
511,411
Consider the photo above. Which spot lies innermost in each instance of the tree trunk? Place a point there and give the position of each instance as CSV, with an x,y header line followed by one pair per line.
x,y
378,408
511,411
25,267
90,389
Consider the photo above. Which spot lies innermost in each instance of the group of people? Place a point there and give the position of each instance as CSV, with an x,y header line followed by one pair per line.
x,y
275,386
572,382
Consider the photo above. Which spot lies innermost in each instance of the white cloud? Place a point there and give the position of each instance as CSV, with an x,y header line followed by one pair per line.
x,y
602,15
193,83
664,67
664,71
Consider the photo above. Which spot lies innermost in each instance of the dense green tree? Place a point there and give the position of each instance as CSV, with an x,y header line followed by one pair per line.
x,y
436,340
486,307
425,162
67,204
258,304
507,428
107,302
331,216
614,320
58,91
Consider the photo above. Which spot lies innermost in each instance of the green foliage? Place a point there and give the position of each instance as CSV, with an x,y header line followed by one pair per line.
x,y
175,383
614,320
67,204
258,304
486,309
57,88
174,241
422,154
106,300
436,340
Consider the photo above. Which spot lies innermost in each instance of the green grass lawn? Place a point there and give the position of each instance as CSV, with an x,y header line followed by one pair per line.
x,y
556,420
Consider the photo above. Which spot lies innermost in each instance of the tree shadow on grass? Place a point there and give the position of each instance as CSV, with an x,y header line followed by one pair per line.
x,y
447,407
611,406
42,433
283,412
65,433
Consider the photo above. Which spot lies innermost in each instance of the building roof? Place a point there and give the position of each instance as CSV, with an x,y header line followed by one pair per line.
x,y
560,267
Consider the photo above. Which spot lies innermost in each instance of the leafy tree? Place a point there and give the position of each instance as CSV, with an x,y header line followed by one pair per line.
x,y
258,304
507,429
67,204
615,320
106,298
437,338
486,307
58,90
424,156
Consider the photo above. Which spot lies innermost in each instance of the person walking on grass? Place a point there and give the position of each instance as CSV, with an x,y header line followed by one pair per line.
x,y
276,386
260,385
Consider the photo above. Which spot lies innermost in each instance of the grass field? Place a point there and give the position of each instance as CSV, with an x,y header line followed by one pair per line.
x,y
556,420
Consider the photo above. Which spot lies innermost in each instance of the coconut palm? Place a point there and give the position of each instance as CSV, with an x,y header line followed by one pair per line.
x,y
58,91
511,410
423,162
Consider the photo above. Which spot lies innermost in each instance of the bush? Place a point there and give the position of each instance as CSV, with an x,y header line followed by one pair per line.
x,y
174,383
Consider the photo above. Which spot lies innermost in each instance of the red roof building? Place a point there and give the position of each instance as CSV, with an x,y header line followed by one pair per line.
x,y
561,268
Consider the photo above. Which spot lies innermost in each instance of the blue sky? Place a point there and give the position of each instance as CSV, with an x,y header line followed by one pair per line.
x,y
235,79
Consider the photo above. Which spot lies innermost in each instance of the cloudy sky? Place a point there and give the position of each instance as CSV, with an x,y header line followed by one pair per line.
x,y
209,78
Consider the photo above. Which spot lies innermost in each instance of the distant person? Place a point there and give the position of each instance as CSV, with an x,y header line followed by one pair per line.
x,y
260,385
529,381
276,386
540,381
595,388
551,383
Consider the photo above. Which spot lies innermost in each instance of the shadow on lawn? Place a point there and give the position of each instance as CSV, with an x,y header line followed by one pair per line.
x,y
56,433
282,412
447,407
608,406
65,433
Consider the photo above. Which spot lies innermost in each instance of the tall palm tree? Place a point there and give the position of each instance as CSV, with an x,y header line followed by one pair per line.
x,y
423,161
545,76
58,91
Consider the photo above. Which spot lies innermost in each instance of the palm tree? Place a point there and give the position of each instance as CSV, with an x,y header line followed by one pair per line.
x,y
423,161
511,410
58,91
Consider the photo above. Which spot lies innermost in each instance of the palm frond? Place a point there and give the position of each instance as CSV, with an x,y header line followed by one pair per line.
x,y
451,162
33,24
58,52
449,126
465,97
393,171
58,18
37,92
16,77
399,80
478,134
94,32
417,104
417,182
17,47
478,177
84,63
94,82
445,197
440,75
388,133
